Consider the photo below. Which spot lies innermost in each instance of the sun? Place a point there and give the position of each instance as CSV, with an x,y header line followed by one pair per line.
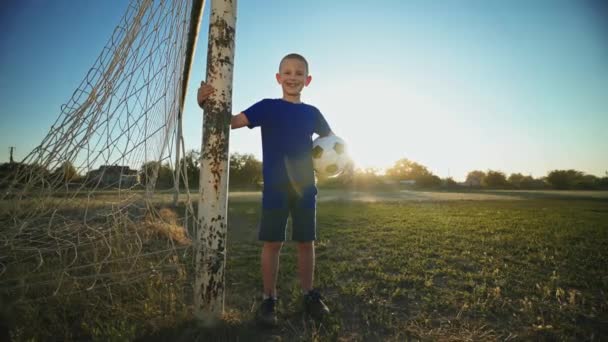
x,y
374,119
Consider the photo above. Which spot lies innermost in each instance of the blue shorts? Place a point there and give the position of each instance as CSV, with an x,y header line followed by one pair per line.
x,y
278,203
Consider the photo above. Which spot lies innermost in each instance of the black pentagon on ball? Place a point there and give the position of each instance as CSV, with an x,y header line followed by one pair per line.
x,y
317,152
331,169
339,148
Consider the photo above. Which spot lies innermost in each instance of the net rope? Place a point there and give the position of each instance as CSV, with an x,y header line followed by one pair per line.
x,y
83,216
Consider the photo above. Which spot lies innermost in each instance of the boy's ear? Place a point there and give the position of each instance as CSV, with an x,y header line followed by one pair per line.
x,y
308,79
278,76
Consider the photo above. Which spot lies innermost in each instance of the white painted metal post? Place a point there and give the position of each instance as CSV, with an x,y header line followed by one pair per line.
x,y
195,23
178,170
210,250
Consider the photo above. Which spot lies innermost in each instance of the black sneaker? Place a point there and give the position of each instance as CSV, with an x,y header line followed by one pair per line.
x,y
314,306
267,314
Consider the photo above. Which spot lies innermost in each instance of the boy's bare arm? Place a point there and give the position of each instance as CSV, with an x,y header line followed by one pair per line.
x,y
204,91
238,121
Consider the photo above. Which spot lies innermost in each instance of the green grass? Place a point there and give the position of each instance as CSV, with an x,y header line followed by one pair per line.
x,y
458,270
533,269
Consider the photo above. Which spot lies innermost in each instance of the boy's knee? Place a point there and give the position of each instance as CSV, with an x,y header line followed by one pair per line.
x,y
273,245
306,245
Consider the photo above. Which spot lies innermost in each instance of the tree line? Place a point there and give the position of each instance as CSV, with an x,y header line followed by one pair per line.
x,y
412,174
246,173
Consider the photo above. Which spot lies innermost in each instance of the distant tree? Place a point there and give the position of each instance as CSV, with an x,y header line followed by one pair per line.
x,y
529,182
428,181
19,173
65,173
602,183
166,177
191,163
519,181
495,179
371,172
147,171
163,172
586,182
475,178
245,170
564,179
366,178
515,180
405,169
450,183
8,172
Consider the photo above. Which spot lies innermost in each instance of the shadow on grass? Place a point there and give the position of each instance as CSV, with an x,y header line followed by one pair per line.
x,y
241,325
224,330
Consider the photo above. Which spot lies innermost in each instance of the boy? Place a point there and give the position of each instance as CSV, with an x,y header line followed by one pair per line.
x,y
287,127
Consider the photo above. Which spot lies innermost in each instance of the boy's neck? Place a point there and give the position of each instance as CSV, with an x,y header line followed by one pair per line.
x,y
292,98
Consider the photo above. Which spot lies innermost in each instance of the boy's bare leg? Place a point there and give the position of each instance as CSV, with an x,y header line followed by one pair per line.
x,y
313,301
306,264
270,267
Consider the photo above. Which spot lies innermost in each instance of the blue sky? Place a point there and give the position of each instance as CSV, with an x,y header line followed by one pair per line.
x,y
515,86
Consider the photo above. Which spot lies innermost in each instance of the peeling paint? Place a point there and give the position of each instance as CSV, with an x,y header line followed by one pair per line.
x,y
211,235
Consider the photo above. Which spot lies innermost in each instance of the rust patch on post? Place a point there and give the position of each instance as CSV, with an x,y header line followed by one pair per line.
x,y
211,237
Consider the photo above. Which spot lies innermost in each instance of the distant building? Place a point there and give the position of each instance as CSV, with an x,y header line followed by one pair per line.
x,y
113,176
472,182
408,182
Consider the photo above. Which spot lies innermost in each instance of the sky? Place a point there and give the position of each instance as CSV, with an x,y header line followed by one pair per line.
x,y
455,85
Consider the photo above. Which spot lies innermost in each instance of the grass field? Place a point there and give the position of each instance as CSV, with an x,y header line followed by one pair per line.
x,y
426,266
531,267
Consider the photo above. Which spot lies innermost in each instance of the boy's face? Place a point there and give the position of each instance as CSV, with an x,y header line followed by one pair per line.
x,y
293,76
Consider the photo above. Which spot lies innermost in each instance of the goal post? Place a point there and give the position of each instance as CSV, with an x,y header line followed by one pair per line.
x,y
82,219
193,30
210,240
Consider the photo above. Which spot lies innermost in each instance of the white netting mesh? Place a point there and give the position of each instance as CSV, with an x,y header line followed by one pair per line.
x,y
81,220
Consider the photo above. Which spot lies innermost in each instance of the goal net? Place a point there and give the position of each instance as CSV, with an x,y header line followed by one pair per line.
x,y
88,233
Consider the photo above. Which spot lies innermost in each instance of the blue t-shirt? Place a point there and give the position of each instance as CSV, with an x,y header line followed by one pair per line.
x,y
287,130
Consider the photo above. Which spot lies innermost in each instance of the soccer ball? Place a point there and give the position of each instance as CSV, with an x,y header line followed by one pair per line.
x,y
329,157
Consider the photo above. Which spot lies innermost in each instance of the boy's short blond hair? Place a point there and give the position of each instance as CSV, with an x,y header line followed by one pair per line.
x,y
294,56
